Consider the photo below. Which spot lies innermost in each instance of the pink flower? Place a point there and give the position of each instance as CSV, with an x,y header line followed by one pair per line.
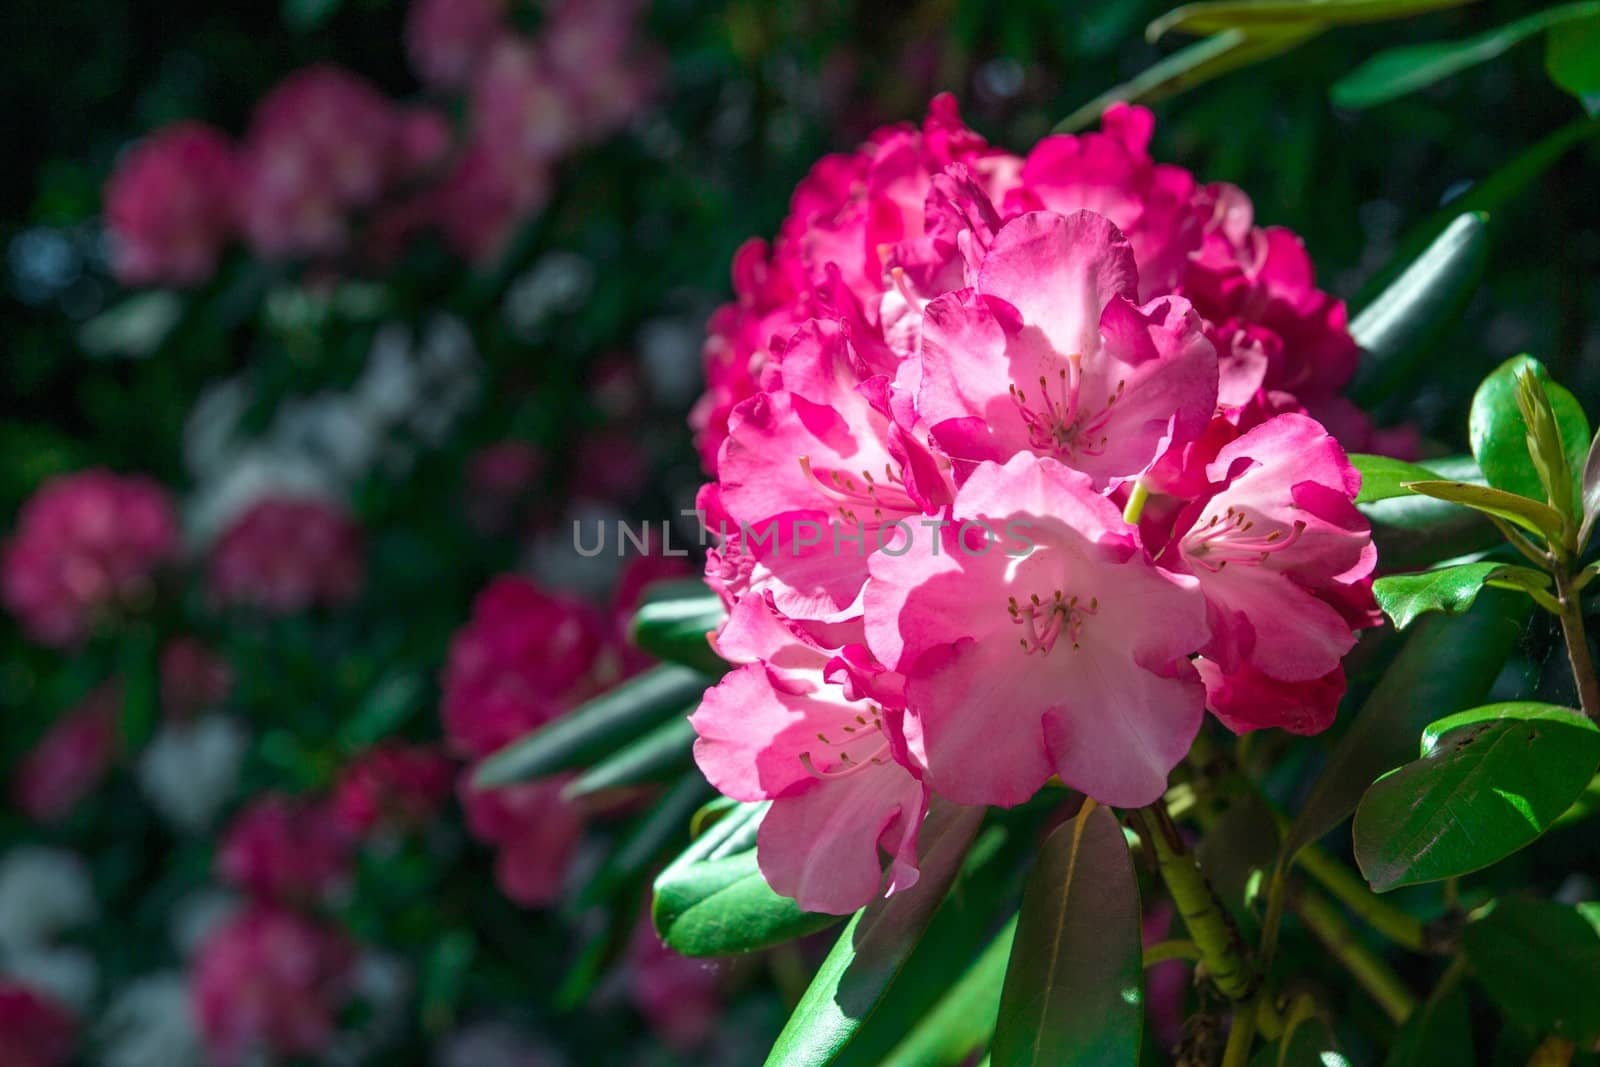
x,y
524,658
499,479
193,678
484,197
1284,560
534,831
681,998
521,107
35,1031
323,142
1049,354
815,731
169,206
286,554
85,544
591,46
285,850
392,785
1051,647
270,983
71,759
446,39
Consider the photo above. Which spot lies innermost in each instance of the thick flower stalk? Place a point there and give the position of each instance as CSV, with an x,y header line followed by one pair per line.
x,y
1017,473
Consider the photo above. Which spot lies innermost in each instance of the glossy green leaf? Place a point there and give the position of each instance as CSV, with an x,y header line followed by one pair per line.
x,y
1220,15
1438,1033
1448,662
1572,57
1414,531
1397,330
1499,433
1191,66
1399,71
964,1018
1403,597
1489,783
724,907
1383,478
1531,515
874,946
1540,963
1074,990
597,728
673,622
656,755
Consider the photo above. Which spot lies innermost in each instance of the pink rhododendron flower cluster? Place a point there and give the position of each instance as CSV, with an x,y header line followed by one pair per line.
x,y
35,1031
71,759
85,544
330,165
1015,480
194,679
268,984
392,787
170,206
285,850
525,657
287,554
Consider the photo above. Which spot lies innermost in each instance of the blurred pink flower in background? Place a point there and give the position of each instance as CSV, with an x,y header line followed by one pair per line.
x,y
392,786
169,206
71,759
499,478
286,850
269,984
446,39
681,998
194,679
85,543
535,833
287,554
35,1031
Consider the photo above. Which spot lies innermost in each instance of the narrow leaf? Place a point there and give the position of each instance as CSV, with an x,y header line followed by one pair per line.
x,y
1499,433
1572,58
1531,515
1074,990
1191,66
1398,329
1489,783
1383,478
1399,71
874,946
1540,963
1448,662
647,842
673,622
1414,531
1222,15
597,728
1403,597
964,1018
654,756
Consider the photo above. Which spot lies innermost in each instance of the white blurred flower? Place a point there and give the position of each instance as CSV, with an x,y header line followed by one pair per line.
x,y
255,472
383,985
553,558
150,1024
194,917
43,892
669,354
67,974
332,430
390,387
558,282
211,432
188,770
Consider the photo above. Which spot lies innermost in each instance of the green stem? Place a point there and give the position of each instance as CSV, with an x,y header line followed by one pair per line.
x,y
1578,646
1322,918
1209,925
1405,930
1165,951
1242,1035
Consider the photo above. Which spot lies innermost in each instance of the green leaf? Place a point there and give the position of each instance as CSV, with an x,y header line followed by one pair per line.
x,y
596,728
874,946
1572,58
654,756
1221,15
1383,478
1397,330
1540,963
1191,66
647,842
1531,515
673,622
1489,783
1448,662
1074,990
964,1018
1499,433
1399,71
1438,1034
1451,590
1413,531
